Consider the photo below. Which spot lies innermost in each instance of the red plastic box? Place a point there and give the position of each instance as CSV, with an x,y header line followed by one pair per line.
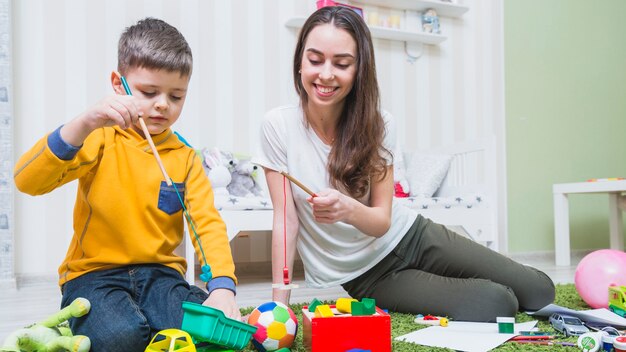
x,y
343,332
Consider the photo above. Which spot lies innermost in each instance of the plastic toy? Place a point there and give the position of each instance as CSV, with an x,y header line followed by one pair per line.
x,y
171,340
322,311
210,325
567,325
314,303
48,336
344,305
343,332
617,300
367,306
276,325
324,3
596,272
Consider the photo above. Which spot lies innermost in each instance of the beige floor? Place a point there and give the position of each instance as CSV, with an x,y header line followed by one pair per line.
x,y
34,299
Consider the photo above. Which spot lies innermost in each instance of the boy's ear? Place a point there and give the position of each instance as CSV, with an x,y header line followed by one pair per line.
x,y
116,82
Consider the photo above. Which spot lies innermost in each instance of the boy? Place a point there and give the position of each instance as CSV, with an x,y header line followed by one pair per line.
x,y
127,220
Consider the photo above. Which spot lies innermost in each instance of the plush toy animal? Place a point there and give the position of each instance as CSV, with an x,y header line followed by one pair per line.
x,y
49,335
217,170
401,183
243,183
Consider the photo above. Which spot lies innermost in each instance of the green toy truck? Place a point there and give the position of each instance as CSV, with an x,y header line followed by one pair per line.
x,y
617,300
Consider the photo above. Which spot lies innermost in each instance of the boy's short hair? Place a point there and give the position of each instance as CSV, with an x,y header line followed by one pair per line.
x,y
154,44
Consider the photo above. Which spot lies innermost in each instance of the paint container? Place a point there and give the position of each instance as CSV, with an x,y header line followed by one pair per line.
x,y
619,344
590,342
505,324
607,342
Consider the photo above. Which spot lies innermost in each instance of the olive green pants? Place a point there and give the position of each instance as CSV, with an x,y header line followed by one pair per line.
x,y
436,271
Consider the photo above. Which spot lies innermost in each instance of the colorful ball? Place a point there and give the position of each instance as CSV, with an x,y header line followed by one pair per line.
x,y
596,272
277,326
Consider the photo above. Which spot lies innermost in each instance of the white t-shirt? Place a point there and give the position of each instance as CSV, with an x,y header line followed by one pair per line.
x,y
332,253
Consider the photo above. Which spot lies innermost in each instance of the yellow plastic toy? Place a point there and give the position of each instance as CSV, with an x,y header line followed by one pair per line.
x,y
344,305
171,340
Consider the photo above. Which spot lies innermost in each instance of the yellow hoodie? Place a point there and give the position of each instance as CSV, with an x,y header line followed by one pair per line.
x,y
124,212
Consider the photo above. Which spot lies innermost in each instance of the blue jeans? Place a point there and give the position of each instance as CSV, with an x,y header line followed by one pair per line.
x,y
129,305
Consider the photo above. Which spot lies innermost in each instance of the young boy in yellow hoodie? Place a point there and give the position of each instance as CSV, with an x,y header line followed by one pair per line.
x,y
127,219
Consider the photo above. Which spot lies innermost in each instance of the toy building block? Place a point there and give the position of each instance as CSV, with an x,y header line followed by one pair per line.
x,y
314,303
343,332
323,311
344,305
367,306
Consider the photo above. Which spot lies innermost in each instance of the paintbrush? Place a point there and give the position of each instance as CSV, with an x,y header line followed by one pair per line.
x,y
144,128
298,183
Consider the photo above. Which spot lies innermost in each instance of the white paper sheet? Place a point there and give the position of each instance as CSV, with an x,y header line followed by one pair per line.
x,y
464,336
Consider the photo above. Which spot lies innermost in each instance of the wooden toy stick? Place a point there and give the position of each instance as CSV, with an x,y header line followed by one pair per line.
x,y
298,183
154,151
146,133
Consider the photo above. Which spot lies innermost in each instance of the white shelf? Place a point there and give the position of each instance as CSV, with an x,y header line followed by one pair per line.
x,y
443,8
385,33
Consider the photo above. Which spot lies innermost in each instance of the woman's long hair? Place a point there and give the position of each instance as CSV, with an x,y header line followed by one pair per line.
x,y
357,155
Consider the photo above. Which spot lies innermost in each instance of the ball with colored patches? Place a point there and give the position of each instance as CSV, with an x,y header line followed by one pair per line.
x,y
277,326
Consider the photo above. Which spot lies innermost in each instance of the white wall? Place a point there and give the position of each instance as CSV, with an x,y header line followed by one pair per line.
x,y
64,51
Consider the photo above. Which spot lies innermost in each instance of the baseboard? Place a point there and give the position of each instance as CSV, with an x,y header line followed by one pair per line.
x,y
34,279
546,256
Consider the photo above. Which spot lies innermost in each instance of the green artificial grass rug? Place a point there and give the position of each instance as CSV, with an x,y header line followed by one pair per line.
x,y
401,324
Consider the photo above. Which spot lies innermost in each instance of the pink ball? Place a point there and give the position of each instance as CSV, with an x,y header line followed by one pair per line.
x,y
596,272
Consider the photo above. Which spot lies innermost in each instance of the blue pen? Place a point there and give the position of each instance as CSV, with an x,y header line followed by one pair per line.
x,y
146,133
125,85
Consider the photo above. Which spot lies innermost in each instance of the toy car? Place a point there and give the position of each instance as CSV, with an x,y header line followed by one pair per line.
x,y
171,340
617,301
567,325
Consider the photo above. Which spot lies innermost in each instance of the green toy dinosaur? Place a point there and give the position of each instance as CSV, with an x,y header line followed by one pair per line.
x,y
48,336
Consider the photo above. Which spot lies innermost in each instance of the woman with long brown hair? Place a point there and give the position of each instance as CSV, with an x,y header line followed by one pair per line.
x,y
351,232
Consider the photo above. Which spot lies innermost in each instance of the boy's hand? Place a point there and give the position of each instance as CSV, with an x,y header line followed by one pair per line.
x,y
120,110
224,300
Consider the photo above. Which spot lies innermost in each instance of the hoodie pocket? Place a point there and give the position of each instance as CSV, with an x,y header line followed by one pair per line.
x,y
169,201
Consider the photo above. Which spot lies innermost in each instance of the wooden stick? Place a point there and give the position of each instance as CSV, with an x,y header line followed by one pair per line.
x,y
144,128
146,133
299,184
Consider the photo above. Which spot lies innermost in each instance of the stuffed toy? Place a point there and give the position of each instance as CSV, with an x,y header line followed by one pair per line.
x,y
430,22
216,168
243,183
52,334
400,181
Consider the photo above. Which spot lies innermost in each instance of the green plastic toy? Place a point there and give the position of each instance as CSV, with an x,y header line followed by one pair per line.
x,y
50,335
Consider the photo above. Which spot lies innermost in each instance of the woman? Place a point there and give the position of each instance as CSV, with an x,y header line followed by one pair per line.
x,y
351,232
